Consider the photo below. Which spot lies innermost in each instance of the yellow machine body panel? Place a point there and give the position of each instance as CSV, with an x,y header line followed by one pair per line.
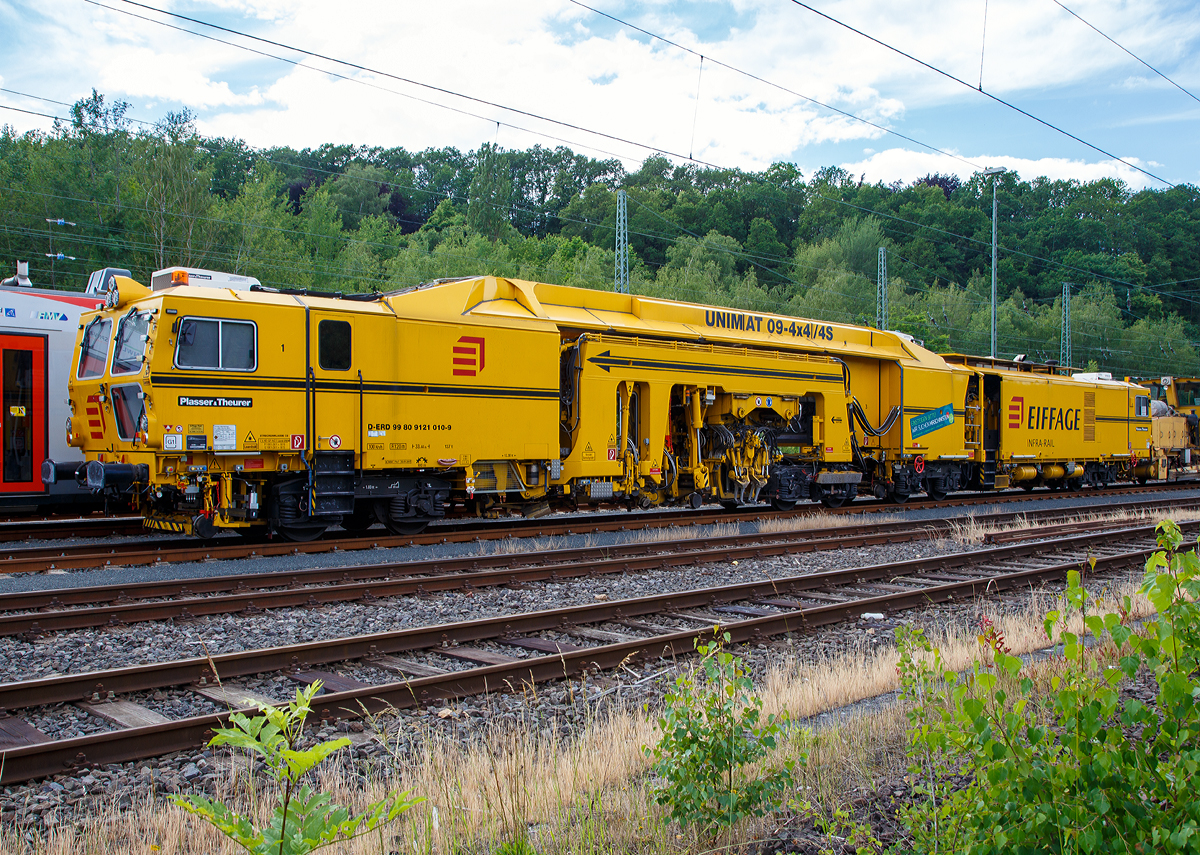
x,y
934,420
1048,425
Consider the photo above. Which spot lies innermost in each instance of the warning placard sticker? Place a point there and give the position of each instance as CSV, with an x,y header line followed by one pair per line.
x,y
224,437
588,453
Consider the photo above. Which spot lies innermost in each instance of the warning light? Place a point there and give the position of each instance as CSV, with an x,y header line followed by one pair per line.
x,y
179,277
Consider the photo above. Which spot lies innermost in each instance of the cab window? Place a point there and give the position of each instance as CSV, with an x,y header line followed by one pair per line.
x,y
333,345
131,343
1189,394
1141,406
217,344
93,351
128,406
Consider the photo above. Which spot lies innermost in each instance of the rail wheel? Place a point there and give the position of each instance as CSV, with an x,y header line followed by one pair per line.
x,y
253,534
301,533
937,494
406,528
898,498
359,520
782,505
833,498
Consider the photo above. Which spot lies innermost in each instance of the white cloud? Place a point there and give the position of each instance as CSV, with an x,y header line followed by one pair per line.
x,y
555,59
907,166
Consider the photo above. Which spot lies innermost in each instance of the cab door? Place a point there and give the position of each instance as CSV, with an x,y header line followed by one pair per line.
x,y
23,418
335,384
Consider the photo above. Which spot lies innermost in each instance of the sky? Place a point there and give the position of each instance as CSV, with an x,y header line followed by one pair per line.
x,y
744,83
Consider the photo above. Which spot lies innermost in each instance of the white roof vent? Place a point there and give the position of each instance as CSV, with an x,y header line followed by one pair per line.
x,y
170,276
1093,376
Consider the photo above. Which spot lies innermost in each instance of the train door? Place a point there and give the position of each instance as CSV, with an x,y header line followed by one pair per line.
x,y
988,474
335,384
23,419
1139,425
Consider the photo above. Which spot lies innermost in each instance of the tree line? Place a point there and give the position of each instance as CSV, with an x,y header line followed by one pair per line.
x,y
356,218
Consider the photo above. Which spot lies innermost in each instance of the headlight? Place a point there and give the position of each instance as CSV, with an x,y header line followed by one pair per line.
x,y
68,428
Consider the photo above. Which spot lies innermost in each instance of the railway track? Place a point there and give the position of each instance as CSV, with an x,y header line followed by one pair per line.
x,y
58,528
510,651
38,612
79,556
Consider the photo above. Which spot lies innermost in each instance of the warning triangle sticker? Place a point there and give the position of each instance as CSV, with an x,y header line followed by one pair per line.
x,y
589,447
250,436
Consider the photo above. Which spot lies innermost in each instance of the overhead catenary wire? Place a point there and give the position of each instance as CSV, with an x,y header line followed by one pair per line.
x,y
780,87
870,211
1101,33
839,201
983,92
399,78
647,147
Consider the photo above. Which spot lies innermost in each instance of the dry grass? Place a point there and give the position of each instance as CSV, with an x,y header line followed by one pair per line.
x,y
587,794
974,530
774,525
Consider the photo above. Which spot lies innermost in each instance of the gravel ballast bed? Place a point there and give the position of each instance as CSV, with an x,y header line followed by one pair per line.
x,y
557,709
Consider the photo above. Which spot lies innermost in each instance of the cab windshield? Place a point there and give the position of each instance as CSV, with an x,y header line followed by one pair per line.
x,y
93,350
131,343
1189,394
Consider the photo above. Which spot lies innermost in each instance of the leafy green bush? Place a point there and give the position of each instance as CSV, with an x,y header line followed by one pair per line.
x,y
303,820
711,729
1078,768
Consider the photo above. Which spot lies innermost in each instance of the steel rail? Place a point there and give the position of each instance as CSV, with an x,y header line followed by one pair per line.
x,y
122,592
75,687
230,594
42,759
33,559
49,529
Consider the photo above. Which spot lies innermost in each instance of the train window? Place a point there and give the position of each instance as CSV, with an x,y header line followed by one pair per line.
x,y
333,345
93,352
127,407
237,346
1141,405
1189,393
220,344
131,343
199,344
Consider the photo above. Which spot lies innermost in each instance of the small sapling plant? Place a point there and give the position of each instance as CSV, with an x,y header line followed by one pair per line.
x,y
303,820
711,730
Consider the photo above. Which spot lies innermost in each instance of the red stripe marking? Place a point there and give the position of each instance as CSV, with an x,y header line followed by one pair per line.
x,y
459,372
464,362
